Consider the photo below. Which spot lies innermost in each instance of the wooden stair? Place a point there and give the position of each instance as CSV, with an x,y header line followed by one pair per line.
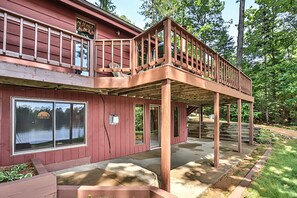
x,y
228,132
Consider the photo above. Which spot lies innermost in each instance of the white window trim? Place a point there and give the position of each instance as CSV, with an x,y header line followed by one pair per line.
x,y
13,99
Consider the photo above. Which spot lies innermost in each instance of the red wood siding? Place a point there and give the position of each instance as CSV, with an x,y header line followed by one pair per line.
x,y
121,136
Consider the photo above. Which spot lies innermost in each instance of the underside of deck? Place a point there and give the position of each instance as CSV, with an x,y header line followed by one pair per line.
x,y
186,87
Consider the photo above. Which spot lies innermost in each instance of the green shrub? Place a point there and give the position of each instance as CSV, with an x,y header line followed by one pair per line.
x,y
14,173
265,136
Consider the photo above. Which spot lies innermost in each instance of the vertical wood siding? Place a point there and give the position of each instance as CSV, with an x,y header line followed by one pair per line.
x,y
121,136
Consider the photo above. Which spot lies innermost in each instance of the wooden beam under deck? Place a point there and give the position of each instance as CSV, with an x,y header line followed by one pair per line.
x,y
175,74
185,87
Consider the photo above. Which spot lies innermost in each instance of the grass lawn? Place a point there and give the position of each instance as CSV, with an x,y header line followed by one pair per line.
x,y
279,175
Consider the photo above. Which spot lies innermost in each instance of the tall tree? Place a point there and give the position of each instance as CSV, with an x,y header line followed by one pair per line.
x,y
106,5
270,55
203,18
240,35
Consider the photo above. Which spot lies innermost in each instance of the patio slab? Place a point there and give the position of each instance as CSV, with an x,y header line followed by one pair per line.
x,y
192,168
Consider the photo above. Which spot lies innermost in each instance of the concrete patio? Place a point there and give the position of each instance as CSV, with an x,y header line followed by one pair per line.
x,y
191,173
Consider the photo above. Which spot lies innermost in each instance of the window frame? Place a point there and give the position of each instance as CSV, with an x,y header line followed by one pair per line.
x,y
54,148
134,127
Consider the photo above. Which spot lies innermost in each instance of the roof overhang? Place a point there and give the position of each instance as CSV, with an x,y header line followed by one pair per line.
x,y
96,12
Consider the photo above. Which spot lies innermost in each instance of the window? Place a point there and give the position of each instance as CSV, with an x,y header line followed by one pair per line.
x,y
176,122
139,123
47,124
81,47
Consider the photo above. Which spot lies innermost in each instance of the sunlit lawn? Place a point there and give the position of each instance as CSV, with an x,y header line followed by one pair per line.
x,y
279,176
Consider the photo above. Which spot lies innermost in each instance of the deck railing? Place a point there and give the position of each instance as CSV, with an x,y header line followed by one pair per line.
x,y
30,39
169,43
113,55
164,43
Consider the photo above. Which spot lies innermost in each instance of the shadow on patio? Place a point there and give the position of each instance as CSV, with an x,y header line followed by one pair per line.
x,y
192,168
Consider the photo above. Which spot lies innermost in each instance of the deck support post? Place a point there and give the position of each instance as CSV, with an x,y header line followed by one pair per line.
x,y
200,120
165,134
251,134
239,124
228,113
216,129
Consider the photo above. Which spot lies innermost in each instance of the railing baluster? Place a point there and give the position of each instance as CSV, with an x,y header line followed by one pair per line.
x,y
181,49
121,54
72,51
103,52
187,52
61,48
200,48
175,47
21,37
207,61
192,55
93,58
203,61
217,67
81,53
227,74
156,46
239,81
142,51
212,65
132,53
136,59
149,48
89,58
196,51
4,32
49,45
112,55
35,41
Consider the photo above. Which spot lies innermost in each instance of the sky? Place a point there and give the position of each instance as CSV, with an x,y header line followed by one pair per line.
x,y
130,8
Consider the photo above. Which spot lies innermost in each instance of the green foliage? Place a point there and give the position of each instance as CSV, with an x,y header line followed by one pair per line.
x,y
139,117
106,5
14,173
270,57
203,18
265,136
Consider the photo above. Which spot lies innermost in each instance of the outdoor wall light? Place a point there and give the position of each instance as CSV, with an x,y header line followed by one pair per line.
x,y
114,119
118,32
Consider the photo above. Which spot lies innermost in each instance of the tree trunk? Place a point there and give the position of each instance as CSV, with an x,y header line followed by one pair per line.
x,y
240,35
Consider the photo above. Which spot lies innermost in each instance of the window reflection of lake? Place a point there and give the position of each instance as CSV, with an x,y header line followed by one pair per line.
x,y
38,136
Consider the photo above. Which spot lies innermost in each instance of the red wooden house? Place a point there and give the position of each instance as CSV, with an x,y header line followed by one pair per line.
x,y
80,85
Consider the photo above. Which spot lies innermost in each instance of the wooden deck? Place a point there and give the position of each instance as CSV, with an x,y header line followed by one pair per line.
x,y
165,51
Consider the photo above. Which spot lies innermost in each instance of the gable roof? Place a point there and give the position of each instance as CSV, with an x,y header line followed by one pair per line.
x,y
97,12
